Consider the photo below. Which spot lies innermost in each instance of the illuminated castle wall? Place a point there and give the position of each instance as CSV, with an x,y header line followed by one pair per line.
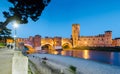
x,y
92,41
101,40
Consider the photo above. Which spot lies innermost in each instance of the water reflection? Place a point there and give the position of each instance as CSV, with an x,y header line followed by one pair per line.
x,y
86,54
100,56
115,58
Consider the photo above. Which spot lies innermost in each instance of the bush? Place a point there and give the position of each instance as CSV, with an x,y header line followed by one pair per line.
x,y
2,44
44,62
72,68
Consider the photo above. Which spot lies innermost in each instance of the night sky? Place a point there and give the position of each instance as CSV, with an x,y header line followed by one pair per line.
x,y
94,17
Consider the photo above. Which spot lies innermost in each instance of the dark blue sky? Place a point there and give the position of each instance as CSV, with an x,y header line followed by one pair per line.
x,y
94,17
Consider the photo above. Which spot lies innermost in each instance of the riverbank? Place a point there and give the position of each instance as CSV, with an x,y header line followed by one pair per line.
x,y
115,49
83,66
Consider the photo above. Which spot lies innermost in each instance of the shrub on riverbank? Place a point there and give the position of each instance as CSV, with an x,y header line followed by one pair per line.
x,y
72,68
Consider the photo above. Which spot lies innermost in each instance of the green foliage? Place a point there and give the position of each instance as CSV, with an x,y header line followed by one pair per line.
x,y
72,68
4,34
21,10
44,62
2,44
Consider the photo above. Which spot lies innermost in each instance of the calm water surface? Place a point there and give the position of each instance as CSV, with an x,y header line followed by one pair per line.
x,y
99,56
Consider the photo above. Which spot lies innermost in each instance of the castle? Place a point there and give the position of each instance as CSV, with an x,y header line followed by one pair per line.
x,y
101,40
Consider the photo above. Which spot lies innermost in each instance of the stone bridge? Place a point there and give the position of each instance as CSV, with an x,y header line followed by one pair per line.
x,y
47,43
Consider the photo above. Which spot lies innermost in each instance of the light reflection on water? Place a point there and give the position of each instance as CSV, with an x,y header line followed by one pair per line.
x,y
99,56
86,54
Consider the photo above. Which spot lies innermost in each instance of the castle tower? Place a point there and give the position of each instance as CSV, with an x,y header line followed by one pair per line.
x,y
75,34
108,33
57,42
108,38
37,42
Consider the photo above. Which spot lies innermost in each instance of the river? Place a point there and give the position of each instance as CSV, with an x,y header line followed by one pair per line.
x,y
99,56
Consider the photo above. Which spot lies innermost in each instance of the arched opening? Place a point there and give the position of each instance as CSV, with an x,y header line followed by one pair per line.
x,y
47,48
66,46
30,49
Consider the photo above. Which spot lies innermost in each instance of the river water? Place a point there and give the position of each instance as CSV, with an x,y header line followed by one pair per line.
x,y
99,56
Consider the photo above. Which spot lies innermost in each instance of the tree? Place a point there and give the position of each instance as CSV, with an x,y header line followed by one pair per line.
x,y
22,10
4,34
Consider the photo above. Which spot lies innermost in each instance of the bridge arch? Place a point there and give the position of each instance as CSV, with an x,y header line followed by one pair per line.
x,y
66,45
45,41
48,48
30,48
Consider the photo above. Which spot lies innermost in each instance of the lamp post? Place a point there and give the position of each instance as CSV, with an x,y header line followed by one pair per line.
x,y
15,26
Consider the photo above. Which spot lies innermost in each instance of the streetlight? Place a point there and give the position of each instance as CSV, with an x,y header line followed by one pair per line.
x,y
15,26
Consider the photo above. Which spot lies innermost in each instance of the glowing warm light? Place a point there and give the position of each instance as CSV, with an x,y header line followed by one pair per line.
x,y
63,53
86,54
55,52
9,41
85,42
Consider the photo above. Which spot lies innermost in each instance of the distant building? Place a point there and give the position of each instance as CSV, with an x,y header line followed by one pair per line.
x,y
116,42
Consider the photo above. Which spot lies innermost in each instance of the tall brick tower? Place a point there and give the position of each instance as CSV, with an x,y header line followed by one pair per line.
x,y
108,38
37,42
75,34
57,42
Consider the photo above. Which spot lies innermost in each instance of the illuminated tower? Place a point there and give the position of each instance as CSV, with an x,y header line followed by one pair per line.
x,y
75,34
37,42
108,38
